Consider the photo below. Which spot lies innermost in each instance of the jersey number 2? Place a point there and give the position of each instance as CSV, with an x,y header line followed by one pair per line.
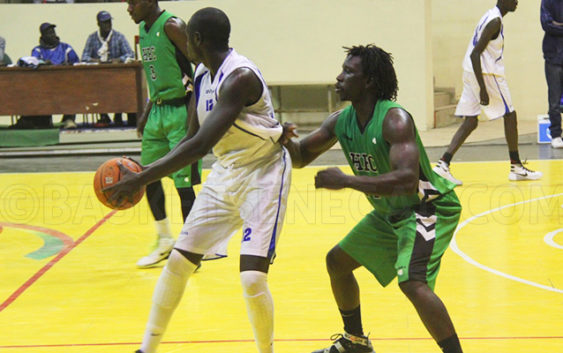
x,y
246,234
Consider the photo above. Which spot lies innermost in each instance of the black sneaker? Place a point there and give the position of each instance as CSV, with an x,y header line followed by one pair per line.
x,y
347,343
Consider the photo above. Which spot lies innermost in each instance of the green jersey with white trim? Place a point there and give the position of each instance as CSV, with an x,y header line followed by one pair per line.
x,y
368,155
164,63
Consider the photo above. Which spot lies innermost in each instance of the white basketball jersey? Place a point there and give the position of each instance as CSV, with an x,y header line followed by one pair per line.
x,y
255,133
492,61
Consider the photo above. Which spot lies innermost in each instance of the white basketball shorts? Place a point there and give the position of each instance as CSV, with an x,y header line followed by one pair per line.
x,y
252,198
500,102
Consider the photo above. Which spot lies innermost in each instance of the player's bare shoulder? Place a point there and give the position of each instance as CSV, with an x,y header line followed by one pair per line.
x,y
397,122
329,123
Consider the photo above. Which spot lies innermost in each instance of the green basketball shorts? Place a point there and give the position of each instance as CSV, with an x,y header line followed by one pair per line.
x,y
166,126
409,245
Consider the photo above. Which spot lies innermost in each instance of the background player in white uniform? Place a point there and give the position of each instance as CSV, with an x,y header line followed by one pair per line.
x,y
248,184
484,87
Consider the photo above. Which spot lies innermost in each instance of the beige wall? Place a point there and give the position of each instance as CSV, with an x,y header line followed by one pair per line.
x,y
292,41
453,22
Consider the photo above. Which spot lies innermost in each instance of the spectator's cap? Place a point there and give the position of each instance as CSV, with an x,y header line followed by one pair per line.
x,y
103,16
45,26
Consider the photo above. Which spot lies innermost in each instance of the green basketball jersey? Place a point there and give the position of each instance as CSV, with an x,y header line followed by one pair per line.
x,y
368,154
161,61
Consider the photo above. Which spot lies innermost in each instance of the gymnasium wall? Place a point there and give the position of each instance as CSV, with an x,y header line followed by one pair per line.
x,y
453,22
292,41
297,41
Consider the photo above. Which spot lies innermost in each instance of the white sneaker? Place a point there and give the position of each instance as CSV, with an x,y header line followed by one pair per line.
x,y
162,250
557,142
443,170
519,172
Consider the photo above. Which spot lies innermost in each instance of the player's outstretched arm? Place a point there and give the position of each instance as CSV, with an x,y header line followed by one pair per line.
x,y
399,132
240,88
313,145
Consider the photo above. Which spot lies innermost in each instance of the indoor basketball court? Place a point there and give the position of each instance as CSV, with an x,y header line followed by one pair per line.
x,y
69,282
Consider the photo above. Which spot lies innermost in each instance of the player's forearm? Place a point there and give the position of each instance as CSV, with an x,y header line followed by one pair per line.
x,y
142,120
185,153
477,70
294,150
395,183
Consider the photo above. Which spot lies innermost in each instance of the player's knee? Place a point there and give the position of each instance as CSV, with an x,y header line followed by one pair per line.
x,y
333,264
179,264
471,123
189,256
510,115
412,289
253,283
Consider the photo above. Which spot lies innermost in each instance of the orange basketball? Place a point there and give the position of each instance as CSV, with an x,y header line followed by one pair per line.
x,y
109,174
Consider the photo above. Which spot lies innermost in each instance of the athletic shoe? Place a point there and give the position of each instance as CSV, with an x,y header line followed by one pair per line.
x,y
443,170
557,142
519,172
162,250
347,343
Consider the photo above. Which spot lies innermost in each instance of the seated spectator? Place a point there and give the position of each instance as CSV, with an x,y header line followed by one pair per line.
x,y
108,45
52,51
4,58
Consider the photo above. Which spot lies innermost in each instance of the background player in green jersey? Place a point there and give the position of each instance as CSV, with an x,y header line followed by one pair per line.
x,y
415,210
163,44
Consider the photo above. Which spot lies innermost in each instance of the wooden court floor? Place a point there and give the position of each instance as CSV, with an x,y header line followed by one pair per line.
x,y
68,281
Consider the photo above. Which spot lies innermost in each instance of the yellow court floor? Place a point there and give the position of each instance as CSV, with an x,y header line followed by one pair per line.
x,y
68,281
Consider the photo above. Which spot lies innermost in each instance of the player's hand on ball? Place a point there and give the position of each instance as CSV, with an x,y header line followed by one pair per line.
x,y
142,167
331,178
127,186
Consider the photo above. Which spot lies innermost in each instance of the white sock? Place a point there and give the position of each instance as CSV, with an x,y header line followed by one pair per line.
x,y
167,295
163,228
260,308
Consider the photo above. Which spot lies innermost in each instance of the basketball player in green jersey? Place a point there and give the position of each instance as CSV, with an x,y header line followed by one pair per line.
x,y
415,211
163,43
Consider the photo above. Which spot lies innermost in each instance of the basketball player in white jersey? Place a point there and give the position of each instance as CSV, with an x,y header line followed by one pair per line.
x,y
247,187
485,88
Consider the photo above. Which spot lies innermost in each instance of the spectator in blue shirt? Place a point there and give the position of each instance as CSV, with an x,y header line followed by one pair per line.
x,y
108,45
551,16
52,51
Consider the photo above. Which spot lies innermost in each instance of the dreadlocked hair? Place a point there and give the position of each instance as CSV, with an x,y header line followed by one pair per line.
x,y
377,64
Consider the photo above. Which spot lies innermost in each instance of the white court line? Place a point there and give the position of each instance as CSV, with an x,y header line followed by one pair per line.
x,y
549,238
467,258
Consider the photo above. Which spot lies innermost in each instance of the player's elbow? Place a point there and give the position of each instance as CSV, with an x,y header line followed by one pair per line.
x,y
297,163
475,56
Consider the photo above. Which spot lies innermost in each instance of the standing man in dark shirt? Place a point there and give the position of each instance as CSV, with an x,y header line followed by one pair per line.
x,y
552,23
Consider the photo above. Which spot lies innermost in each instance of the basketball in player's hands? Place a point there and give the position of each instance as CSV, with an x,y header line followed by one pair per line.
x,y
109,174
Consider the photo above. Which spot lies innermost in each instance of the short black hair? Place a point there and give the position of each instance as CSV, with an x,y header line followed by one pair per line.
x,y
213,25
377,64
